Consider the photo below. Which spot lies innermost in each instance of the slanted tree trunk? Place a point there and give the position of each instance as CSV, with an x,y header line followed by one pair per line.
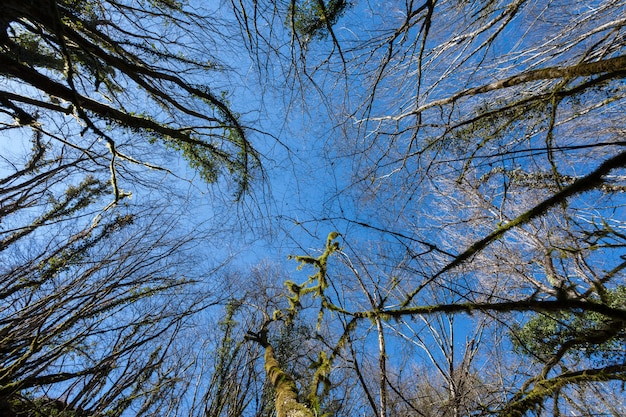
x,y
286,397
286,392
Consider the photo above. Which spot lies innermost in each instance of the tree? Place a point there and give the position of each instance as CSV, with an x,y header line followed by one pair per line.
x,y
93,303
111,72
478,154
472,160
547,337
98,290
314,19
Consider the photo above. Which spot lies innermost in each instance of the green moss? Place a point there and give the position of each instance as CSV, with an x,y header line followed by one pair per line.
x,y
316,283
286,399
311,19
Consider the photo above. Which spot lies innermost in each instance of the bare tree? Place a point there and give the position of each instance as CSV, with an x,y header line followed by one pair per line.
x,y
109,70
93,302
99,291
481,146
477,162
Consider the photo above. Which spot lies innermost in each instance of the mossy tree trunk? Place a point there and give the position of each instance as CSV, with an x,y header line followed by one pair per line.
x,y
286,397
286,391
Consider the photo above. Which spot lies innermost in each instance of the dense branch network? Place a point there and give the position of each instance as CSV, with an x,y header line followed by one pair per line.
x,y
70,55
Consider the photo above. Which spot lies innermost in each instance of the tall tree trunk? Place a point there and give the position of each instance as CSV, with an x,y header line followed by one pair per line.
x,y
286,397
382,363
286,392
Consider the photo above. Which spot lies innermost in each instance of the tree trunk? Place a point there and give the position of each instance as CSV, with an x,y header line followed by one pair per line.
x,y
286,397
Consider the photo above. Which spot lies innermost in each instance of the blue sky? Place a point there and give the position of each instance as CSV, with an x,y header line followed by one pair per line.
x,y
325,171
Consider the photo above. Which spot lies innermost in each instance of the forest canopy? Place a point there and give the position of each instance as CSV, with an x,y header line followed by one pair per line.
x,y
312,208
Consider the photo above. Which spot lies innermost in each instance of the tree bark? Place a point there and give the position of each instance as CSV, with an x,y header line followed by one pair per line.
x,y
286,397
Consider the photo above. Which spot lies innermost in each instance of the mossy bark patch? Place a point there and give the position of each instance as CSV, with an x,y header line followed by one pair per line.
x,y
286,399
